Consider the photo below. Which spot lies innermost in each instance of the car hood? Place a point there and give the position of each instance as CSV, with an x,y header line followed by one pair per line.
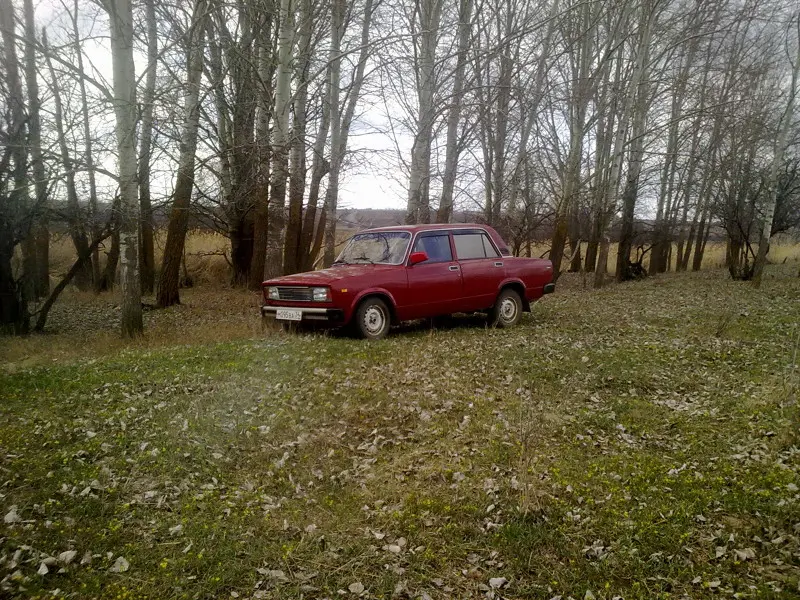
x,y
330,275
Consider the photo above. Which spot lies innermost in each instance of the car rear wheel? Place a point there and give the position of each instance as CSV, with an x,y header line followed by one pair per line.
x,y
373,319
507,310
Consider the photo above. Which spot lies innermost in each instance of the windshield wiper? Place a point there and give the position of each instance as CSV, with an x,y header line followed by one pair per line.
x,y
365,259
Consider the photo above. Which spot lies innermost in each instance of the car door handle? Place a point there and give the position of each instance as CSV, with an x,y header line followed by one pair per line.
x,y
453,267
498,264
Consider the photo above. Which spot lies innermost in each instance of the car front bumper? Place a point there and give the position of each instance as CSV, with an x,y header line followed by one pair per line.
x,y
333,316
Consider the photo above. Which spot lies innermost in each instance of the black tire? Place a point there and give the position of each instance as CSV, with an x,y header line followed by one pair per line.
x,y
372,319
507,310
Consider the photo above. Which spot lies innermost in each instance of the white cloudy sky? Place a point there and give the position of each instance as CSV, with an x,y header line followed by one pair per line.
x,y
366,185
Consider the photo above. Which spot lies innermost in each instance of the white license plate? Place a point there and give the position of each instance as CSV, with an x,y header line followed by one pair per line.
x,y
287,314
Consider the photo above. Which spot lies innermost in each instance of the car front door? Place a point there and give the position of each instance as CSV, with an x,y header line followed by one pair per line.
x,y
434,286
482,269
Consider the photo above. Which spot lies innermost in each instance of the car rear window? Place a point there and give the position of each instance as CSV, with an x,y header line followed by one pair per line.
x,y
474,245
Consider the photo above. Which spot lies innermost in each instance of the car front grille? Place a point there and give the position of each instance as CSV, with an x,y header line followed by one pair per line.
x,y
296,294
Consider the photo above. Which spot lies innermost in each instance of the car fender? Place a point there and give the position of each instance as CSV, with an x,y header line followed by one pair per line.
x,y
516,281
375,291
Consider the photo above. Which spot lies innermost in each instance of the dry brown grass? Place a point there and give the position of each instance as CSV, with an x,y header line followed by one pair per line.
x,y
85,326
783,250
207,262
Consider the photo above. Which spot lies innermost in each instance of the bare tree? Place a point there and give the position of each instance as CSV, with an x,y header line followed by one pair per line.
x,y
147,254
168,282
341,122
777,161
452,149
75,218
266,67
38,243
424,22
121,18
16,214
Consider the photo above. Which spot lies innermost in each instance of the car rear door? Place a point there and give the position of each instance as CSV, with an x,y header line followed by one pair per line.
x,y
482,268
434,286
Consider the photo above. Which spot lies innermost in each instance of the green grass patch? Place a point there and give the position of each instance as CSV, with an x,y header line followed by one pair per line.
x,y
638,441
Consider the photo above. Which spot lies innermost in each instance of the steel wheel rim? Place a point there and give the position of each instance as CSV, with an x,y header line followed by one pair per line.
x,y
374,320
508,309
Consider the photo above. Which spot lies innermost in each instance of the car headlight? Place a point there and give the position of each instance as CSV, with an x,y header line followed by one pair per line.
x,y
321,294
272,293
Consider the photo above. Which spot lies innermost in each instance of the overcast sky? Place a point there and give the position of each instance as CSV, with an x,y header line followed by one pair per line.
x,y
366,184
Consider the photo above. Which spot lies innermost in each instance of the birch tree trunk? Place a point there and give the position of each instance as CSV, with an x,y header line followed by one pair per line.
x,y
14,295
684,245
168,282
77,232
777,161
662,240
579,100
532,110
262,195
639,89
603,141
343,130
40,234
147,254
454,114
328,217
280,140
503,86
418,208
18,154
320,167
297,178
617,155
240,157
121,19
94,228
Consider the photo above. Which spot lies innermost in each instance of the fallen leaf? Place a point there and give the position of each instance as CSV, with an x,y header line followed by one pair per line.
x,y
745,554
12,516
356,588
497,582
120,565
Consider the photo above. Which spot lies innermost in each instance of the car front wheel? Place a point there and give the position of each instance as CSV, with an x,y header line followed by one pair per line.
x,y
507,311
373,319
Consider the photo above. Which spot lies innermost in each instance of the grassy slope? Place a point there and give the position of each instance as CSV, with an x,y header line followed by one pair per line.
x,y
640,441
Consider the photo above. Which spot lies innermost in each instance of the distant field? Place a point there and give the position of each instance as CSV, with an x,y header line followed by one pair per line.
x,y
206,263
640,441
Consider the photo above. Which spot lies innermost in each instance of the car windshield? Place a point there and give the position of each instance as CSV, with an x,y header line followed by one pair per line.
x,y
383,247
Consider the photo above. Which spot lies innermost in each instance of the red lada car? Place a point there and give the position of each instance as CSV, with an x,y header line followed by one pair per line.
x,y
392,274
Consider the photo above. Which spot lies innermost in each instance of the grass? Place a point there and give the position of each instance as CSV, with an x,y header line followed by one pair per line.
x,y
640,441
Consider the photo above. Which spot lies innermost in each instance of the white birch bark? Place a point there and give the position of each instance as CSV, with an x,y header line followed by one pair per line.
x,y
777,161
124,75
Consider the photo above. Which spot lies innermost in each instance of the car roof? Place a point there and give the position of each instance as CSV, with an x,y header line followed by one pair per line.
x,y
428,227
412,229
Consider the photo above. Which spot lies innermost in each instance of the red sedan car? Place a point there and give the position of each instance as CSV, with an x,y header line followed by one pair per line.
x,y
392,274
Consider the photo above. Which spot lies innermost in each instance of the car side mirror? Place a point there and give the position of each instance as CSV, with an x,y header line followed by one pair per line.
x,y
416,258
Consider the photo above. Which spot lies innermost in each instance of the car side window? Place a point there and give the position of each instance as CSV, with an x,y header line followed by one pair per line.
x,y
474,245
437,247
